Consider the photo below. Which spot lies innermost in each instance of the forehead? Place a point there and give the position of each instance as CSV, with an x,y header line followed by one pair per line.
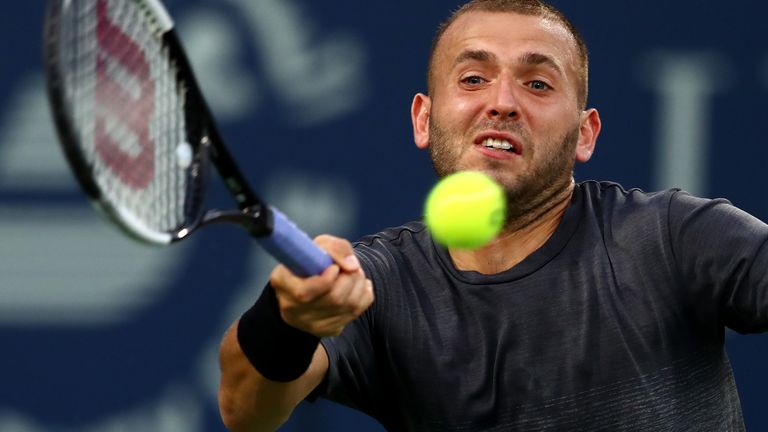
x,y
507,35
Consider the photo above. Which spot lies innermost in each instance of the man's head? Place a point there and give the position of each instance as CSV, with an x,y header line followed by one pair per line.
x,y
507,88
521,7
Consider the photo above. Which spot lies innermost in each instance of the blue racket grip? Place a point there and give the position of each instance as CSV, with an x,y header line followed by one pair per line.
x,y
293,247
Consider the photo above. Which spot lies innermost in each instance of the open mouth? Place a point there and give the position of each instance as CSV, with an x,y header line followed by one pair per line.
x,y
499,144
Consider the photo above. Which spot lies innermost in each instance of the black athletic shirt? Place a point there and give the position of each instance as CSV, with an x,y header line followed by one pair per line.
x,y
615,323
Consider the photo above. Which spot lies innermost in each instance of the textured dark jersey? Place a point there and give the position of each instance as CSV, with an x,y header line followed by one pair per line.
x,y
616,323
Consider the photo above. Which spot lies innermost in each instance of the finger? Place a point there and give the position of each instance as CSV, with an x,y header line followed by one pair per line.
x,y
335,324
344,293
340,251
341,300
352,294
368,297
332,302
349,297
362,297
328,326
298,290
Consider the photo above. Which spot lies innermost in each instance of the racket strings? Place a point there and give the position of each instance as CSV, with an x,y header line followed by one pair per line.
x,y
128,109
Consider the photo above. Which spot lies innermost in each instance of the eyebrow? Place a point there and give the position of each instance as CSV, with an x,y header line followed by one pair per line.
x,y
482,56
528,59
536,59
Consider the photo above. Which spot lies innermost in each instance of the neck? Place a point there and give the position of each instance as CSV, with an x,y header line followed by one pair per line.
x,y
521,237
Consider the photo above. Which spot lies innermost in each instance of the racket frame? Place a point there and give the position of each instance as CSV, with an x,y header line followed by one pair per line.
x,y
206,143
274,232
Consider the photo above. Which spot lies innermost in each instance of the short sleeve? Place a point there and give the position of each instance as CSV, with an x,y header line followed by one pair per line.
x,y
351,370
720,252
353,377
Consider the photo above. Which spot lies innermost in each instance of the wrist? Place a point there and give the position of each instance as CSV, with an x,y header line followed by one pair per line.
x,y
276,350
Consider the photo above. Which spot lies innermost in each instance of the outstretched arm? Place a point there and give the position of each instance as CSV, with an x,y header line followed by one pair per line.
x,y
250,402
258,390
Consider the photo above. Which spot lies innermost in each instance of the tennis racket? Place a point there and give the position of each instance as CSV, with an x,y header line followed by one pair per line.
x,y
138,134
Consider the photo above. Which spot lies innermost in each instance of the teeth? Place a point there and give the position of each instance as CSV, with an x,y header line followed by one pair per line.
x,y
498,144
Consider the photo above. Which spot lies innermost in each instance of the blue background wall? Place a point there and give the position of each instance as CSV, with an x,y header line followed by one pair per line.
x,y
100,334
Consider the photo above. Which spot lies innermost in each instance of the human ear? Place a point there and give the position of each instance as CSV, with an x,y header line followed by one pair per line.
x,y
420,109
588,132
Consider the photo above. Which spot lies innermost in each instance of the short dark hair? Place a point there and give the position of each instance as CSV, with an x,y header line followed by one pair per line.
x,y
522,7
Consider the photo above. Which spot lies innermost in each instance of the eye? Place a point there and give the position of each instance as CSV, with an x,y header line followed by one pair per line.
x,y
539,85
473,80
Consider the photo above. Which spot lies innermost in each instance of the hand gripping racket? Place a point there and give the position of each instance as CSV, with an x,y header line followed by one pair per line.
x,y
138,134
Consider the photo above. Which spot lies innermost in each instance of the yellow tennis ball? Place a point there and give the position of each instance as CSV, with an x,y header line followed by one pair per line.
x,y
465,210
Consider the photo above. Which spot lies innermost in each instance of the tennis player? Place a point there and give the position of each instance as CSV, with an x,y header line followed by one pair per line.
x,y
598,308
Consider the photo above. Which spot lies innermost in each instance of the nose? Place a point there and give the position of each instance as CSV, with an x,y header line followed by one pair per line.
x,y
504,104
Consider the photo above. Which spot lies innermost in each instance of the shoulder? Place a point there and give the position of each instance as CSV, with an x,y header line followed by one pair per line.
x,y
667,211
386,249
612,201
712,215
614,194
414,231
673,203
625,215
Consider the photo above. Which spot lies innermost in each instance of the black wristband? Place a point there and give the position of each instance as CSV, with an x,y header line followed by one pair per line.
x,y
278,351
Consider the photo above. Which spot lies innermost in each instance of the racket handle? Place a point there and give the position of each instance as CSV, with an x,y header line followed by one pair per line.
x,y
293,247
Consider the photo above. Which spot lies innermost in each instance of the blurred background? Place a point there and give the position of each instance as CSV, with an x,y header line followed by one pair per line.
x,y
100,334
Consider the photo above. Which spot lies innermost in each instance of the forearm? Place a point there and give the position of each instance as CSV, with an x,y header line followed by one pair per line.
x,y
250,402
272,359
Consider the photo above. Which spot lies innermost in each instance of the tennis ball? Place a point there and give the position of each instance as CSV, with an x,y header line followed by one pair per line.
x,y
465,210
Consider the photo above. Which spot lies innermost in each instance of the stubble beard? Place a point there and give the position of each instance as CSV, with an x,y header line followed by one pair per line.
x,y
532,192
